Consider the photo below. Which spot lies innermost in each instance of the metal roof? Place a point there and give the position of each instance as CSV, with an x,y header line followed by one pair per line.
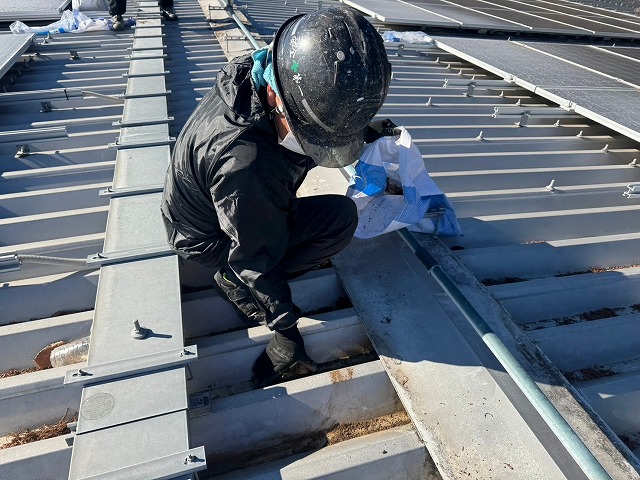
x,y
548,259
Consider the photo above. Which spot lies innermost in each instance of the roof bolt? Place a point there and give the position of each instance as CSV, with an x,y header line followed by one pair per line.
x,y
139,332
73,55
634,163
296,9
479,137
437,60
429,102
460,72
518,103
190,459
557,124
449,66
605,149
319,5
400,50
580,134
23,151
392,76
285,2
550,187
501,94
46,107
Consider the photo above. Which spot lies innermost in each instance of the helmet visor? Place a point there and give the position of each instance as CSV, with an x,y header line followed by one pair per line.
x,y
335,155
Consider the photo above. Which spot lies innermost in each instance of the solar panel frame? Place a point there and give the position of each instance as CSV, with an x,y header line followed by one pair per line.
x,y
12,46
588,93
596,59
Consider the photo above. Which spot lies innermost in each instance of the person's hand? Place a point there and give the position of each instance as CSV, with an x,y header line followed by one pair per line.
x,y
380,128
285,357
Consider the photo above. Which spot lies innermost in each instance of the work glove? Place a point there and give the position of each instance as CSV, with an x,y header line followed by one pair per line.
x,y
283,359
380,128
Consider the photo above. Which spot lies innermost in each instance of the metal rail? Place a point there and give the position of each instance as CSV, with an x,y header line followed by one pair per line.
x,y
574,445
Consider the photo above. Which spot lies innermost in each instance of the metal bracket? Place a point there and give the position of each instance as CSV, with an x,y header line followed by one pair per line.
x,y
131,366
126,191
163,468
633,190
101,259
143,143
142,123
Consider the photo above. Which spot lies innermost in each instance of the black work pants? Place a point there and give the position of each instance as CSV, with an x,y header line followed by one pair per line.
x,y
117,7
320,226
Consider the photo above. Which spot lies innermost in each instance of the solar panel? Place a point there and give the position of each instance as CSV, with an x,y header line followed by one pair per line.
x,y
25,10
393,12
595,58
11,47
587,92
631,52
538,16
469,18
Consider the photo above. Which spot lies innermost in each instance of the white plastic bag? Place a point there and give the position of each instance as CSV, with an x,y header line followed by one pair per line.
x,y
396,161
407,37
90,5
65,24
86,24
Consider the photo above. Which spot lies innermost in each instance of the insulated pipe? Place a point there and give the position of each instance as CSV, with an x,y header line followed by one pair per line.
x,y
576,448
246,32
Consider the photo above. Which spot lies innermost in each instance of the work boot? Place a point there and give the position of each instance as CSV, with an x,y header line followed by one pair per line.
x,y
118,23
169,13
284,358
230,287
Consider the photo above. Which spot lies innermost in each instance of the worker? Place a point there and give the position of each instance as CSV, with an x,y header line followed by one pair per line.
x,y
229,198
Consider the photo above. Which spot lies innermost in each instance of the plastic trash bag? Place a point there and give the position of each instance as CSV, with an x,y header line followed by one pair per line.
x,y
86,24
65,24
392,189
90,5
73,21
407,37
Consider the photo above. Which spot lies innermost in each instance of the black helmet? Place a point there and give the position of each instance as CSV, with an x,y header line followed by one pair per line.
x,y
332,73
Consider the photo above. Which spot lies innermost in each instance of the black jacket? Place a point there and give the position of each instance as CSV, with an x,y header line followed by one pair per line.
x,y
229,186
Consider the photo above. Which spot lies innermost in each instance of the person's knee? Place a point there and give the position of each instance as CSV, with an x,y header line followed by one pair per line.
x,y
346,215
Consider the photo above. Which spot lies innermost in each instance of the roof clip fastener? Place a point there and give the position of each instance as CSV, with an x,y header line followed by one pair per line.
x,y
23,151
139,332
501,94
429,102
580,134
518,102
633,190
557,124
605,149
524,118
400,50
634,163
479,137
470,88
46,107
73,55
550,187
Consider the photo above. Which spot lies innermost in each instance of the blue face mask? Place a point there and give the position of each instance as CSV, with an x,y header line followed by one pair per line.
x,y
290,143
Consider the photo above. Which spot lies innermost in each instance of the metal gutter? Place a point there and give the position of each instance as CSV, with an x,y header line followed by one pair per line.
x,y
541,403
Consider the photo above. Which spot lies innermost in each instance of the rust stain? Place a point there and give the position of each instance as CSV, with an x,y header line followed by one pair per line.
x,y
338,376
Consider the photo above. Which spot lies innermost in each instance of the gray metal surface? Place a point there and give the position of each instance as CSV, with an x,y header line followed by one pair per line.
x,y
518,235
27,10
